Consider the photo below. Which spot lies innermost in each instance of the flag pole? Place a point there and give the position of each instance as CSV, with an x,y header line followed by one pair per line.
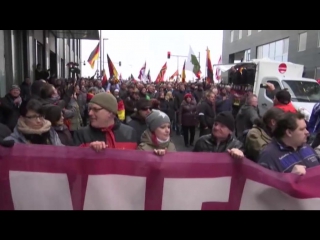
x,y
100,51
199,61
206,68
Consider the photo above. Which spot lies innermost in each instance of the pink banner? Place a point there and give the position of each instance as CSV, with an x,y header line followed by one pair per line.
x,y
66,178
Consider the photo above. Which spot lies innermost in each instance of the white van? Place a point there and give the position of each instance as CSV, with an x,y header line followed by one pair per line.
x,y
305,92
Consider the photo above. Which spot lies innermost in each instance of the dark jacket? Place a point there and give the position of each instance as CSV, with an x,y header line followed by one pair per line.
x,y
9,111
64,135
198,94
138,124
206,114
4,131
130,104
164,106
278,157
245,118
171,111
188,113
25,92
123,94
178,98
223,105
125,136
207,143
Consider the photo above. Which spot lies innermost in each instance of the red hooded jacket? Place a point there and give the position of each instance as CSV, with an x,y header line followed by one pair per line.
x,y
286,107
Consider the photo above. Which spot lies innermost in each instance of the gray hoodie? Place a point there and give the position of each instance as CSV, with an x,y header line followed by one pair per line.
x,y
18,137
245,118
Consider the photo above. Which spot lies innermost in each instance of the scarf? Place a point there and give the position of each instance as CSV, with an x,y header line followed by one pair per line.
x,y
159,143
35,136
110,139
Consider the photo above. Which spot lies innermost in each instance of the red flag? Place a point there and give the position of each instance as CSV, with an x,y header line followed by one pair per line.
x,y
176,73
218,75
183,75
112,70
161,73
104,78
94,55
209,68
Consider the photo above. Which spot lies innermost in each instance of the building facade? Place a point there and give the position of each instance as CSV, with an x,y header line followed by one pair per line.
x,y
22,50
297,46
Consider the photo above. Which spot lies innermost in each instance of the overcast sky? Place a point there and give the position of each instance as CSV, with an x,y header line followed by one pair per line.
x,y
134,47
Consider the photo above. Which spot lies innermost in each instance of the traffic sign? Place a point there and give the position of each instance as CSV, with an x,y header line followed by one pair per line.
x,y
282,68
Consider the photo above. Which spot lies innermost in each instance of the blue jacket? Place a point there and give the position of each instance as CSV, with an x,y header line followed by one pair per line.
x,y
280,158
313,124
223,105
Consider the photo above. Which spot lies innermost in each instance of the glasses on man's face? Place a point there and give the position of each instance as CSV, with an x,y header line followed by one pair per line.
x,y
34,117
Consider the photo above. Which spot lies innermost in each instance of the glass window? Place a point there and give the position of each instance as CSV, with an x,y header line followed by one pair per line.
x,y
40,54
259,52
248,54
272,50
265,51
317,73
286,45
231,35
278,58
240,34
277,88
249,32
285,57
302,41
279,48
302,91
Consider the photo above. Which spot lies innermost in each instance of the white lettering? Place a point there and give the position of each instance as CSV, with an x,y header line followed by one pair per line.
x,y
189,194
257,196
115,192
40,191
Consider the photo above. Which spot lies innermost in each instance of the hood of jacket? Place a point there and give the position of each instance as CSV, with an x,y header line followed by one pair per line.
x,y
245,109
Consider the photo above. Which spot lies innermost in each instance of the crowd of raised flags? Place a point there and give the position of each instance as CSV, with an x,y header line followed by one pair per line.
x,y
191,64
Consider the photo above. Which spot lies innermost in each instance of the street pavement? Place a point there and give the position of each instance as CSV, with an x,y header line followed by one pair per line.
x,y
179,143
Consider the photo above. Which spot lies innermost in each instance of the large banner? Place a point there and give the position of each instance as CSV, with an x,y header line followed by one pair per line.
x,y
70,178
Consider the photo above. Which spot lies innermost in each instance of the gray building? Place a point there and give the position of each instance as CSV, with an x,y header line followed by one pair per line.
x,y
22,50
296,46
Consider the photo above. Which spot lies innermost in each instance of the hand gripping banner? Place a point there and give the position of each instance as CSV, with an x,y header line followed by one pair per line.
x,y
70,178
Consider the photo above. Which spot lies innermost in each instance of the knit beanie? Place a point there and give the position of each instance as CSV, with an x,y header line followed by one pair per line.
x,y
226,119
155,119
13,87
106,101
188,95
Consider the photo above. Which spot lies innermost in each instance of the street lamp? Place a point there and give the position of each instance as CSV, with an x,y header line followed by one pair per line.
x,y
103,50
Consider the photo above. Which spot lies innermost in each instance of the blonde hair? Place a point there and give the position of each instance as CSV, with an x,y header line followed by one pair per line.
x,y
168,95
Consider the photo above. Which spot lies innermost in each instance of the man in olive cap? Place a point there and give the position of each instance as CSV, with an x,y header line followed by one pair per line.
x,y
105,129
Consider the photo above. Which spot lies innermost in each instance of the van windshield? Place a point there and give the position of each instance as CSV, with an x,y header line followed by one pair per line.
x,y
303,91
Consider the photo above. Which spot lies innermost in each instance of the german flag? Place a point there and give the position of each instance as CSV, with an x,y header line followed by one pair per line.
x,y
183,75
113,71
161,73
209,68
176,74
121,110
94,55
104,78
